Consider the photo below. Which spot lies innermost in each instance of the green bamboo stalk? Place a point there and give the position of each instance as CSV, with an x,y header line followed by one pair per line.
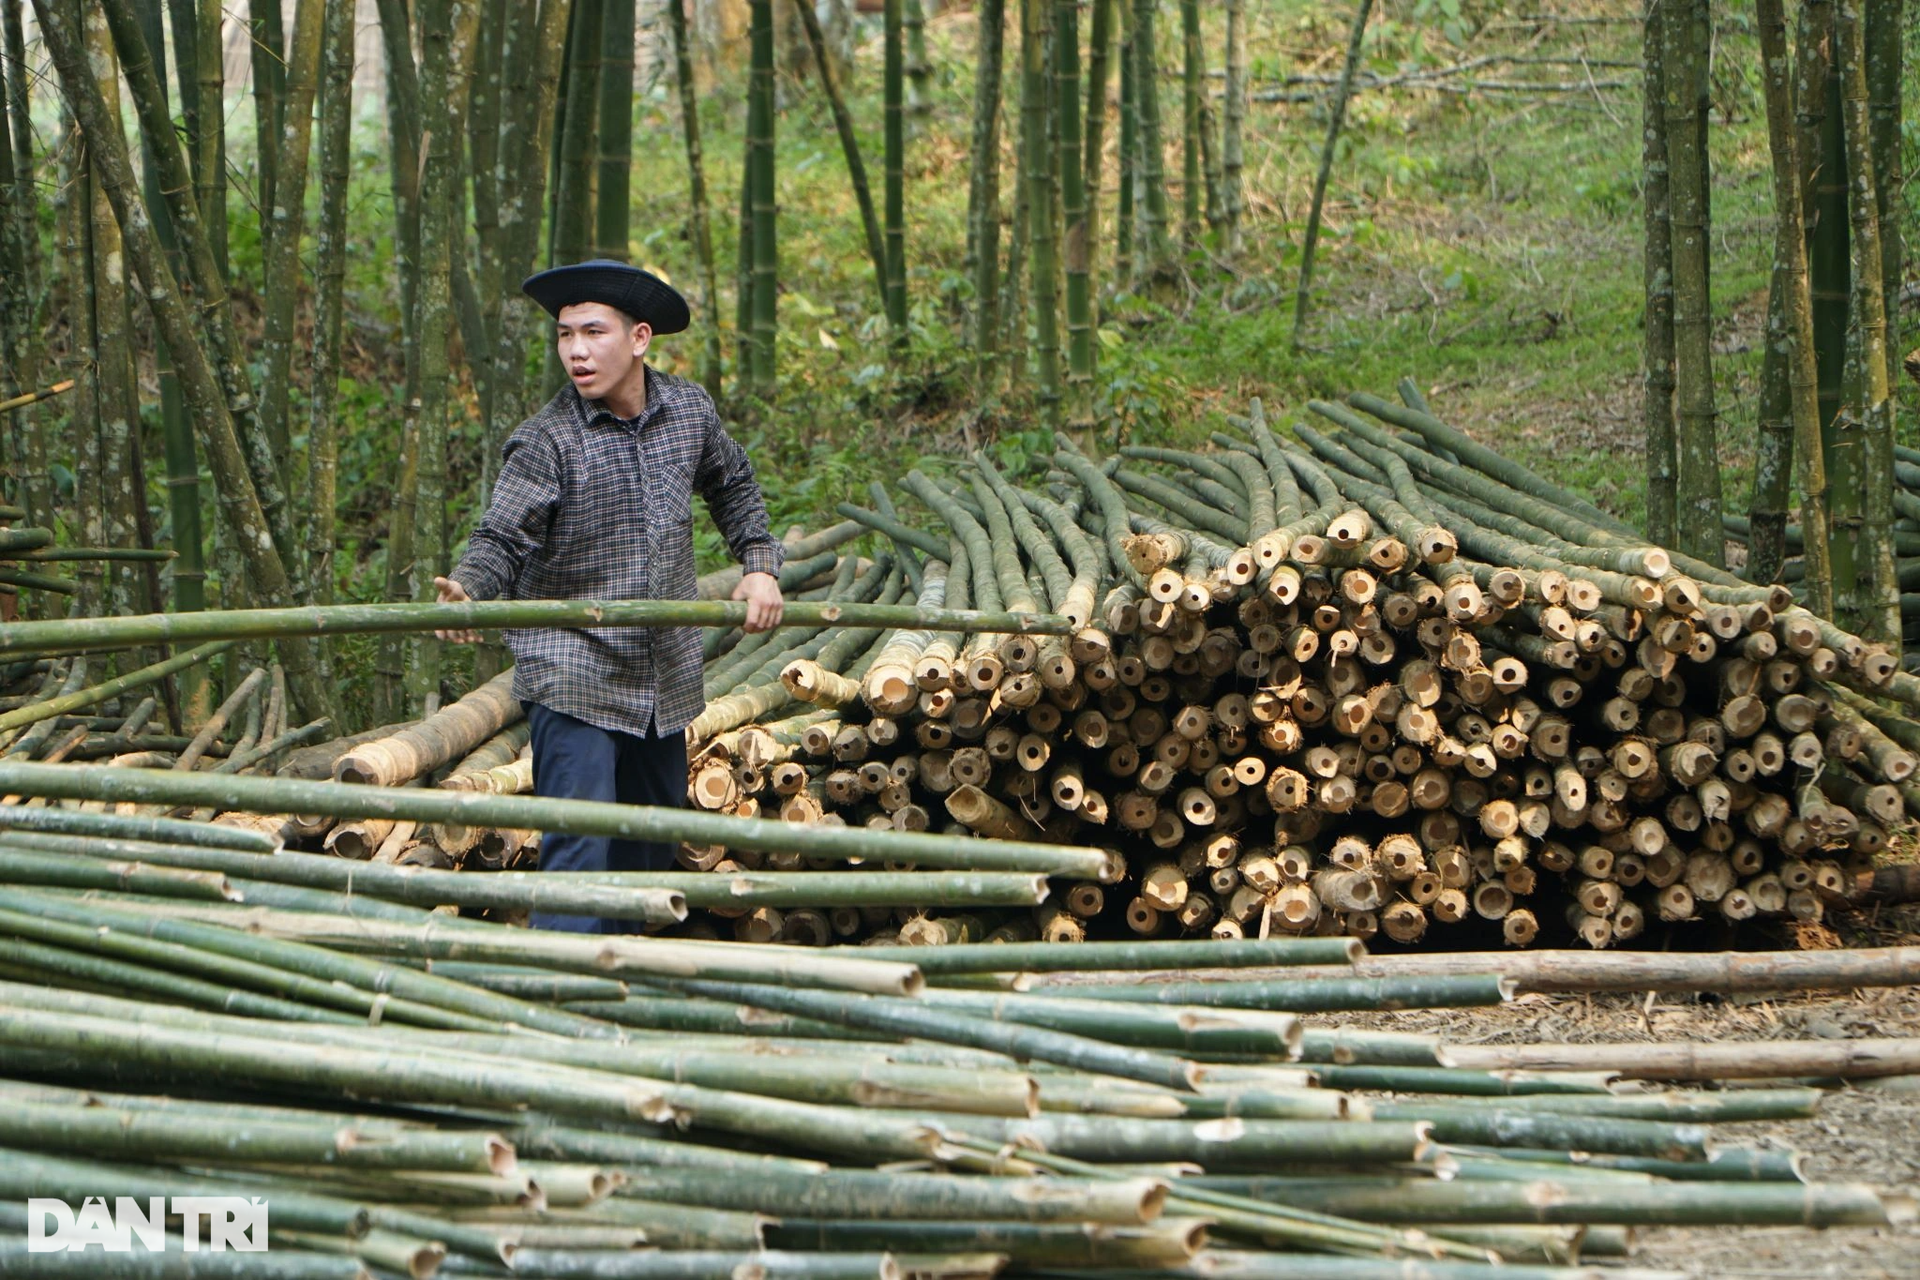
x,y
893,114
697,215
210,141
447,50
526,143
579,117
916,1197
1790,255
284,189
1192,76
1150,258
761,202
27,1173
1435,1201
633,822
613,198
1336,119
947,1025
266,53
1773,459
1047,957
358,979
983,184
1882,25
1657,407
396,1075
323,448
1100,58
1165,1242
1823,165
877,246
1879,615
48,709
1037,168
126,826
1075,204
1129,141
1688,177
339,619
155,1135
1176,1028
1233,196
1295,996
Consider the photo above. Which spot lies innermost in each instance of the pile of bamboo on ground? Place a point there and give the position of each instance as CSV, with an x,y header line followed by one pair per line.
x,y
425,1093
1370,678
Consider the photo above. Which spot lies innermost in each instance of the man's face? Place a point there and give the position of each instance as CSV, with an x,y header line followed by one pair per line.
x,y
598,346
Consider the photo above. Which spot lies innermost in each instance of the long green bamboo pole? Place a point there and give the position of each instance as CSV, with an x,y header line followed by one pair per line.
x,y
323,448
894,129
1233,196
1192,80
698,219
1688,179
1093,160
1880,609
1790,253
1041,957
1037,169
878,249
1885,21
983,185
1129,146
1076,248
762,202
446,65
1150,258
633,822
266,52
1657,407
35,712
613,194
1336,119
339,619
579,118
284,182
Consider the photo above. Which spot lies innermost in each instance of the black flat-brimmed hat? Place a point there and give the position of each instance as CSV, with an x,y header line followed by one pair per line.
x,y
640,294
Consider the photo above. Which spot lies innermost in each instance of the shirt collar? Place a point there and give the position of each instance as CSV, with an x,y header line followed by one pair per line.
x,y
659,393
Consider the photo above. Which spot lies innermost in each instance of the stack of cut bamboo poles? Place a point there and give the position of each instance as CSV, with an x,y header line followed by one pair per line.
x,y
1368,679
427,1093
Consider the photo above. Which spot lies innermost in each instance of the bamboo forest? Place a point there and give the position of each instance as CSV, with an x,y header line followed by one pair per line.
x,y
1292,662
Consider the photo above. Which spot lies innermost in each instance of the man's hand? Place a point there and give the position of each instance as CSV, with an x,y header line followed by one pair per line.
x,y
452,592
761,591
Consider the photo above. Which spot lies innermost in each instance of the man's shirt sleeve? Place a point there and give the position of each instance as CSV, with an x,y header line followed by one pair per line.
x,y
516,522
725,479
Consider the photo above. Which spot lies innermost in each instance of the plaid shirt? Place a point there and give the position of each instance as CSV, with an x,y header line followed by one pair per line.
x,y
592,506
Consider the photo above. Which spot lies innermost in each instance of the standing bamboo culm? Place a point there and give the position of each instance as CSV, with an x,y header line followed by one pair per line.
x,y
983,184
1797,308
287,214
570,227
1150,261
878,244
613,181
1037,167
1123,234
447,46
267,54
1822,150
1337,115
1076,224
187,573
323,445
1697,506
210,145
761,202
895,128
698,220
1192,84
1657,408
1884,28
1879,617
1100,51
1233,196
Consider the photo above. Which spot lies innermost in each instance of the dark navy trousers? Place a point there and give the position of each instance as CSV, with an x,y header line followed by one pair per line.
x,y
573,760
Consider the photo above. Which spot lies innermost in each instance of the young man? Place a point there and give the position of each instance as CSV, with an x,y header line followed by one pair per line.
x,y
594,501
